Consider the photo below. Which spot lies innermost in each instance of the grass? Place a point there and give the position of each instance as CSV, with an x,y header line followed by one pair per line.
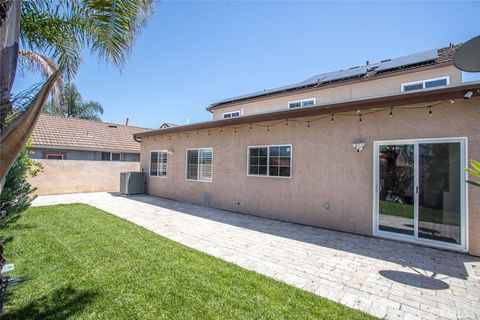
x,y
426,214
78,262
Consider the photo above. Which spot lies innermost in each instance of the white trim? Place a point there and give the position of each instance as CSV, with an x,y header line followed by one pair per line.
x,y
268,161
158,160
301,102
422,82
463,246
240,113
198,164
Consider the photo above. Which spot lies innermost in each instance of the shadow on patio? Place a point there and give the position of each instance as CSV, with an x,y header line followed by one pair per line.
x,y
415,257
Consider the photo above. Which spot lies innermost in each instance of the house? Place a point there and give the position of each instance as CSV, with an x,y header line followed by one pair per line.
x,y
378,150
61,138
82,155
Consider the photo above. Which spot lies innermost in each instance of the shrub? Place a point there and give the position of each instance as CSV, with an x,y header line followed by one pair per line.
x,y
17,195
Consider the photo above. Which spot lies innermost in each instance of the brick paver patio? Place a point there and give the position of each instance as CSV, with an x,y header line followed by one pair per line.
x,y
381,277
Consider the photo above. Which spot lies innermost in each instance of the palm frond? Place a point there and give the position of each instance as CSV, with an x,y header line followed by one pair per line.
x,y
115,25
54,30
36,62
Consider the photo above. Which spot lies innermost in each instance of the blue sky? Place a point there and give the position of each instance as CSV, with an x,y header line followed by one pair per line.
x,y
192,54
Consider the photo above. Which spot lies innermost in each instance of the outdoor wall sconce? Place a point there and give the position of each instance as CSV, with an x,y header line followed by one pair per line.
x,y
170,152
358,146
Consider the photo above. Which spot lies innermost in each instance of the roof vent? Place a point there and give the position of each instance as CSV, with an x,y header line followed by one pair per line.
x,y
112,126
386,60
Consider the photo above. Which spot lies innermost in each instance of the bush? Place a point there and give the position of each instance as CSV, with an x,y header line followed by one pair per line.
x,y
17,195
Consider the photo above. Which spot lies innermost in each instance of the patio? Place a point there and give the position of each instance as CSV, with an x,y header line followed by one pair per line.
x,y
384,278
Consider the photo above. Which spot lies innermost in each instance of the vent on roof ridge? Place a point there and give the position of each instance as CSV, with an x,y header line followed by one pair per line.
x,y
112,126
386,60
354,67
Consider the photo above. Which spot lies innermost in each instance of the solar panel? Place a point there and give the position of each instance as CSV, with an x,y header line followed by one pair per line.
x,y
408,60
347,74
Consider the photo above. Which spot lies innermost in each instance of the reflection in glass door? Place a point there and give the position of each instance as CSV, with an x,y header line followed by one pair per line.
x,y
420,191
439,192
396,182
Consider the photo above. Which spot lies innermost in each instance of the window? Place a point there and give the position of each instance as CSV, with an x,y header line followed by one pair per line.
x,y
302,103
232,114
158,163
105,156
425,84
270,161
110,156
199,164
54,156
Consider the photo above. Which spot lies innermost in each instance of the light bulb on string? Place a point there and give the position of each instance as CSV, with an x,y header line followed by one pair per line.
x,y
430,111
331,119
391,113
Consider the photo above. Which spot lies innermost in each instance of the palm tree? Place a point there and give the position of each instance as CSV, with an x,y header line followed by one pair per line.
x,y
73,106
58,30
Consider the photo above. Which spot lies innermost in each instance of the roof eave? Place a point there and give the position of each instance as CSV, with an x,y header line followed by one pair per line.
x,y
394,100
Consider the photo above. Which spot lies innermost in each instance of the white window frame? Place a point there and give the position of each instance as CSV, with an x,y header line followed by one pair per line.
x,y
464,245
301,103
268,161
240,113
422,82
198,164
158,162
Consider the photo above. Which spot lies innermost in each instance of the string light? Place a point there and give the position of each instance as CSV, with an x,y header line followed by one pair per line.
x,y
358,113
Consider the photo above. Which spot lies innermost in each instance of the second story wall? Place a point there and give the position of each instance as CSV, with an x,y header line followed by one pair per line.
x,y
340,92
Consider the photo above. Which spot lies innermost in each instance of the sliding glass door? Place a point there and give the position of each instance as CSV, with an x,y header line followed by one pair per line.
x,y
420,191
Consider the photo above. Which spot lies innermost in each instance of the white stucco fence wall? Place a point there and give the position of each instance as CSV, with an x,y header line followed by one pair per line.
x,y
72,176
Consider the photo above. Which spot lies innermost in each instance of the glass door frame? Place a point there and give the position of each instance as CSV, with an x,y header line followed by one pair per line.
x,y
463,246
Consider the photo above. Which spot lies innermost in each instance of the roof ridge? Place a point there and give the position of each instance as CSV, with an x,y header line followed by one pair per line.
x,y
91,121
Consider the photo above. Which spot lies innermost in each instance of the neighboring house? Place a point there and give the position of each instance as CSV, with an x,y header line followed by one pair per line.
x,y
379,149
61,138
82,155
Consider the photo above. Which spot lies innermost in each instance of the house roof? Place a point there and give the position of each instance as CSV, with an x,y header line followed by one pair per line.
x,y
434,57
79,134
378,102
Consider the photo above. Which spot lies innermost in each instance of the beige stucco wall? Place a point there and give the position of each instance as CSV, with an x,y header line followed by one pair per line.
x,y
325,166
70,176
355,90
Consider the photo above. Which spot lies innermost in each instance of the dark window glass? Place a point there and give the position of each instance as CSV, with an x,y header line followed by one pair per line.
x,y
435,83
276,164
154,163
115,156
414,86
295,104
192,164
258,161
106,156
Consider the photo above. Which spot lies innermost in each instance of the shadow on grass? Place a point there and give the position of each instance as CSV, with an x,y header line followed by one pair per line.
x,y
62,303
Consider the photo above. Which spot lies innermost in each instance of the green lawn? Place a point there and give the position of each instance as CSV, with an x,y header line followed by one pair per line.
x,y
80,262
426,214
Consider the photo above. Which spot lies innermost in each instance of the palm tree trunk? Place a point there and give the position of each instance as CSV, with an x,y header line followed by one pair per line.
x,y
9,32
14,137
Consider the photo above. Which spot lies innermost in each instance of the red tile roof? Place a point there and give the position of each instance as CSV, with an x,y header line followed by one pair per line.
x,y
69,133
